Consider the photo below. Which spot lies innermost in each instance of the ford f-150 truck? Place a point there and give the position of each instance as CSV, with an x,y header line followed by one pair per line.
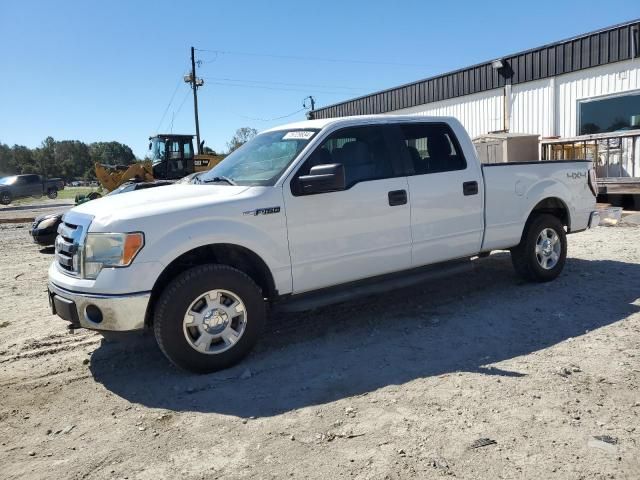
x,y
29,185
303,215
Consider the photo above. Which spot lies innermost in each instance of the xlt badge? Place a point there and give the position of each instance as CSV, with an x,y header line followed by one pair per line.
x,y
263,211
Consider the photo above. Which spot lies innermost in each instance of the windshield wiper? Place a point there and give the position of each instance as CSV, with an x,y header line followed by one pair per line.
x,y
219,179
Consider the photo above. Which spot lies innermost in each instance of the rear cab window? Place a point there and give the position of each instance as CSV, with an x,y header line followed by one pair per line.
x,y
431,148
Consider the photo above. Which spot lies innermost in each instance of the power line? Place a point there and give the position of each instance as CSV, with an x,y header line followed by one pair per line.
x,y
269,82
175,113
306,59
182,103
274,118
226,84
164,114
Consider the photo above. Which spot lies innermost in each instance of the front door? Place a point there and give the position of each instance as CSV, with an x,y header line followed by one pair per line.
x,y
360,232
446,195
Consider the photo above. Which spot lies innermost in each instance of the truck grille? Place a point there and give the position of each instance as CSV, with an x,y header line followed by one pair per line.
x,y
69,243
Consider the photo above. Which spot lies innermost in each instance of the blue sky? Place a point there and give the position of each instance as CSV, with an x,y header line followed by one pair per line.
x,y
100,71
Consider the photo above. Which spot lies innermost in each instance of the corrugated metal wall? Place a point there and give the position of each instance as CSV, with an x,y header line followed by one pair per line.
x,y
605,80
479,113
607,46
545,107
532,108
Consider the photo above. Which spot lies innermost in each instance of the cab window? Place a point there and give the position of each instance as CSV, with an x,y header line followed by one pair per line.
x,y
432,148
188,153
361,150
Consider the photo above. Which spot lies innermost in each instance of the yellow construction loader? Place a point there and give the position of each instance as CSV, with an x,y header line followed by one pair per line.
x,y
171,157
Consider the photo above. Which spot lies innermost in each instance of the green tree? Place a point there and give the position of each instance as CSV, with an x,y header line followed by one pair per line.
x,y
69,159
44,159
242,136
72,159
23,160
111,153
7,165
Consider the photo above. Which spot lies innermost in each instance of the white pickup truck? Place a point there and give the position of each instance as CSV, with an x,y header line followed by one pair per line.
x,y
305,214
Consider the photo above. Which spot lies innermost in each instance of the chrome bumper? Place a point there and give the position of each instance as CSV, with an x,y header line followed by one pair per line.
x,y
594,219
116,312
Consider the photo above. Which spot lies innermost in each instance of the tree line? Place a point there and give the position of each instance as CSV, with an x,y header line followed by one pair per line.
x,y
73,159
66,159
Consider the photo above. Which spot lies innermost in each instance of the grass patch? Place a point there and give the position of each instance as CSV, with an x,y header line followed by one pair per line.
x,y
71,192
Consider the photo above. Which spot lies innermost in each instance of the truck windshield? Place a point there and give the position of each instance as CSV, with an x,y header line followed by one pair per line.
x,y
7,180
261,160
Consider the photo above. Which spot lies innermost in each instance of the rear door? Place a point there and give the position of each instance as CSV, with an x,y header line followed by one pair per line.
x,y
360,232
446,194
35,185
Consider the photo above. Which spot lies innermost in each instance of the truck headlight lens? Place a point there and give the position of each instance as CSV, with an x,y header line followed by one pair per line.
x,y
47,222
110,250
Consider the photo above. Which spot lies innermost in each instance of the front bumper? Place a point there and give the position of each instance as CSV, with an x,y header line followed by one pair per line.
x,y
45,237
99,312
594,219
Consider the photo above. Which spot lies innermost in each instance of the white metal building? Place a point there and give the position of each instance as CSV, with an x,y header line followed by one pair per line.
x,y
580,95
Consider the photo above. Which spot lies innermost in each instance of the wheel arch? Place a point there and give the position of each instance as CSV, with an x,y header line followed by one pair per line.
x,y
236,256
551,205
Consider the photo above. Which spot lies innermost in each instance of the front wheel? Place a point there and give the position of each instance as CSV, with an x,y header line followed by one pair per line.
x,y
5,198
209,317
52,193
542,252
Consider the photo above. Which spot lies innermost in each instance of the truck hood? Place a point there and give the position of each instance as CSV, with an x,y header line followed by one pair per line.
x,y
156,201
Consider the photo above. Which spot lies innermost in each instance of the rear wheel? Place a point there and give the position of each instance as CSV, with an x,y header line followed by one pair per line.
x,y
209,317
542,252
52,193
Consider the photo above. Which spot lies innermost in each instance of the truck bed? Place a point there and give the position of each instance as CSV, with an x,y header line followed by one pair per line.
x,y
511,190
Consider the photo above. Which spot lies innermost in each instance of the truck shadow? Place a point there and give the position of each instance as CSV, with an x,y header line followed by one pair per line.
x,y
464,323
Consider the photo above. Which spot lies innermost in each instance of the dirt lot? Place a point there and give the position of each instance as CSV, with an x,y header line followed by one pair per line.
x,y
27,210
397,386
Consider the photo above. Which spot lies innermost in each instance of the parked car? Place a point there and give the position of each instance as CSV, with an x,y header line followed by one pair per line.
x,y
45,227
20,186
304,215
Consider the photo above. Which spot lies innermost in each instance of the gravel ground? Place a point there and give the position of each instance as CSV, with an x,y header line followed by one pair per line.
x,y
26,210
402,385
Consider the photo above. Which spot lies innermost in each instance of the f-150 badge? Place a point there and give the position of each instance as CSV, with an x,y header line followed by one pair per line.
x,y
263,211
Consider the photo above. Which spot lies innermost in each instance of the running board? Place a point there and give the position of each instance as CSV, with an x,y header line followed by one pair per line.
x,y
372,286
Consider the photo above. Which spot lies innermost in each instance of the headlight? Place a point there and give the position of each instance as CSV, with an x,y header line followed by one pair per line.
x,y
48,222
110,250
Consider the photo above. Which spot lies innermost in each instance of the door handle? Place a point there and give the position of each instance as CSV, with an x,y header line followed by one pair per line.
x,y
397,197
470,188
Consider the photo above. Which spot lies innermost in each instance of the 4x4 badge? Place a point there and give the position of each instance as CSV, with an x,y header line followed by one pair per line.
x,y
263,211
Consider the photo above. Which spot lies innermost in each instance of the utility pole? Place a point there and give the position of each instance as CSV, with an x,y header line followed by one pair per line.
x,y
311,99
195,83
313,105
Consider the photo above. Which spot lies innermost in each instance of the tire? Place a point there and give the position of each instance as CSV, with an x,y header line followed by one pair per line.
x,y
5,198
52,193
93,195
196,325
542,252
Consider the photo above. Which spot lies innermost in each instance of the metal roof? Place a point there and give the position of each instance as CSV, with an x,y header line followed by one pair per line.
x,y
601,47
176,135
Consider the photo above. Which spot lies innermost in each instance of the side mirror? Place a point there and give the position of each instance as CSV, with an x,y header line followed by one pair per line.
x,y
322,178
